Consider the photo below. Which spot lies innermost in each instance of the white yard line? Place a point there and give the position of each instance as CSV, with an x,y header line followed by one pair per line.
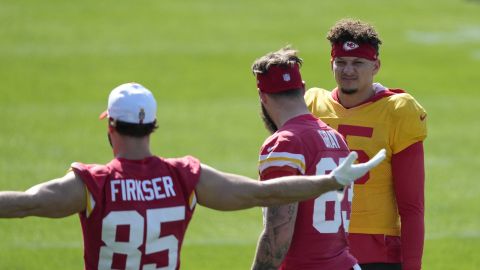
x,y
468,34
453,235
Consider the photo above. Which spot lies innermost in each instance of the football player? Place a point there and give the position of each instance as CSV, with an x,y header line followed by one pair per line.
x,y
387,221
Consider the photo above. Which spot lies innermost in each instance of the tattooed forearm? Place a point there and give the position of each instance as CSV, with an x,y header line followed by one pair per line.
x,y
275,239
264,258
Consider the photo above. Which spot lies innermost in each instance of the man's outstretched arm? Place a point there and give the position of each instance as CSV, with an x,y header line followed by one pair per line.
x,y
224,191
54,199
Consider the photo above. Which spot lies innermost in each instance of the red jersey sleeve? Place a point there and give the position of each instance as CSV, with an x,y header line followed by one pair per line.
x,y
409,181
186,168
93,184
281,155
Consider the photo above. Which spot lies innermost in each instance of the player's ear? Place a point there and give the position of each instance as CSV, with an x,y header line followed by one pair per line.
x,y
111,129
262,96
112,123
376,66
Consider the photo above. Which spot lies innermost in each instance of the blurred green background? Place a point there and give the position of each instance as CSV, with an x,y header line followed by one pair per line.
x,y
60,59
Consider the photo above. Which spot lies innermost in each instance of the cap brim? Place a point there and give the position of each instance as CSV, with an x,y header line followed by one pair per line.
x,y
103,115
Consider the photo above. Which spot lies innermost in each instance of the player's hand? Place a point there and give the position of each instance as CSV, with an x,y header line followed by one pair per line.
x,y
347,172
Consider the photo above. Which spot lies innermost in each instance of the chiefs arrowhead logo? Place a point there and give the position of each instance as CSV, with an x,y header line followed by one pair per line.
x,y
350,45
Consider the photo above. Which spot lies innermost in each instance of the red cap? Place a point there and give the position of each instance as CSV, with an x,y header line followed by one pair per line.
x,y
280,78
352,49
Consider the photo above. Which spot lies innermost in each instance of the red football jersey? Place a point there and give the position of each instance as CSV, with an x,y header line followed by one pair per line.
x,y
137,211
306,145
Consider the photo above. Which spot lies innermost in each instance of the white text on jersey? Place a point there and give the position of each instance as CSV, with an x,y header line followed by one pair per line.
x,y
142,190
329,139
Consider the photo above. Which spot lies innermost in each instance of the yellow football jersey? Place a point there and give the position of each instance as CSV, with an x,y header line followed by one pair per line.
x,y
393,122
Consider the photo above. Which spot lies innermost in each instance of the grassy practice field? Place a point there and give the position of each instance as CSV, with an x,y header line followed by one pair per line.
x,y
60,59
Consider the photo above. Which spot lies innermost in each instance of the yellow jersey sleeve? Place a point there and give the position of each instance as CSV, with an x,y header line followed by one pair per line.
x,y
409,121
316,99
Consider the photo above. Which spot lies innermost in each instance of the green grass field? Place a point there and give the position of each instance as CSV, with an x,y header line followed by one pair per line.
x,y
60,59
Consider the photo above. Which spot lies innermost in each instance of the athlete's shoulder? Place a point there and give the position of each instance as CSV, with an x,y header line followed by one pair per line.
x,y
282,151
402,104
93,176
408,119
321,103
318,91
314,94
280,140
185,164
94,169
180,161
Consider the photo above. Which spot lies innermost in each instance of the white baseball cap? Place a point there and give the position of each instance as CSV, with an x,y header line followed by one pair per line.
x,y
131,103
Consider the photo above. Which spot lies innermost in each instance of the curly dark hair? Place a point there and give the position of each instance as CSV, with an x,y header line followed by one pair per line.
x,y
356,31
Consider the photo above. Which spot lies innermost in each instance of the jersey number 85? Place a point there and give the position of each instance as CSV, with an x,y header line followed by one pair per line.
x,y
153,242
328,211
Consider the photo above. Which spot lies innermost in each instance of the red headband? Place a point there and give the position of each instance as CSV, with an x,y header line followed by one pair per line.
x,y
352,49
280,78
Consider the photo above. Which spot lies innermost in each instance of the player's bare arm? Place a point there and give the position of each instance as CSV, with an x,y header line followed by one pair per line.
x,y
276,237
54,199
225,191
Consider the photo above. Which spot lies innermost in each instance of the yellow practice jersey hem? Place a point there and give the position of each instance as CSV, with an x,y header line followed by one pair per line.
x,y
393,232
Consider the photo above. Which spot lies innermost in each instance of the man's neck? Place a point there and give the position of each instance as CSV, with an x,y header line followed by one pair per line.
x,y
285,114
133,156
133,148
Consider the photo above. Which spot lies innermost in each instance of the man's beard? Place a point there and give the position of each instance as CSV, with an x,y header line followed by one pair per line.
x,y
267,120
349,91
